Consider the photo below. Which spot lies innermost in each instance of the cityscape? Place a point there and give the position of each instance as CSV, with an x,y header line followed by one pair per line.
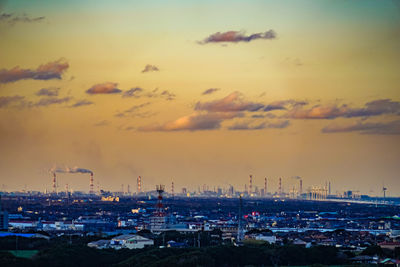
x,y
199,133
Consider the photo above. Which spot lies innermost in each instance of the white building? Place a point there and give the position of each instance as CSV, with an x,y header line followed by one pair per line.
x,y
269,238
130,242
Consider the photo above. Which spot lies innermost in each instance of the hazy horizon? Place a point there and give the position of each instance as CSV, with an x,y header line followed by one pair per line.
x,y
200,92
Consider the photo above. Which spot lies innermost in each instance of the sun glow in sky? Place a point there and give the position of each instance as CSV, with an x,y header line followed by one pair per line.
x,y
201,92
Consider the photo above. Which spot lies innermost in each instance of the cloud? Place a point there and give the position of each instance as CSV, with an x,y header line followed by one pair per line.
x,y
20,102
134,111
164,94
210,91
237,36
373,108
138,92
43,102
104,88
264,125
282,105
51,91
102,123
167,95
231,103
133,92
150,68
82,102
70,170
194,122
24,18
379,128
51,70
5,101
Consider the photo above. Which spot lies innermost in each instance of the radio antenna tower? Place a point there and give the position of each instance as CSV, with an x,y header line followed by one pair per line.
x,y
139,185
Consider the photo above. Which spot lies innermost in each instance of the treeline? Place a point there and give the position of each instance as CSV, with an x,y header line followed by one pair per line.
x,y
64,254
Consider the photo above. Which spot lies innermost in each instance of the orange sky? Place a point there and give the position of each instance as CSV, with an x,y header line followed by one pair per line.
x,y
200,93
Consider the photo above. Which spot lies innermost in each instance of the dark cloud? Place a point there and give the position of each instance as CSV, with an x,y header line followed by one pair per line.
x,y
133,92
135,111
373,108
194,122
138,92
102,123
70,170
150,68
210,91
130,128
264,125
82,102
43,102
20,102
230,103
282,105
379,128
164,94
51,91
5,101
104,88
236,36
13,19
51,70
167,95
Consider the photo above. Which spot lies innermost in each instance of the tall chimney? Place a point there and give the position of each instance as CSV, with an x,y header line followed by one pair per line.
x,y
280,186
250,184
91,185
265,186
301,187
329,187
54,183
172,189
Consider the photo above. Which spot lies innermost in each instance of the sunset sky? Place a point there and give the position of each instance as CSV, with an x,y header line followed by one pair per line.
x,y
200,92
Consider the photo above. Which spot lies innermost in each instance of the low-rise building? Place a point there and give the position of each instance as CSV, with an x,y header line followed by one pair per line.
x,y
130,242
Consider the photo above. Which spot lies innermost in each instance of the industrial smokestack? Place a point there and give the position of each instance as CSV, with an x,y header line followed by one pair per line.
x,y
329,187
301,187
91,184
54,183
250,184
172,189
265,186
280,186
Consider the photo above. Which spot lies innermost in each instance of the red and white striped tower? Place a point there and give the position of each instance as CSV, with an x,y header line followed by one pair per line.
x,y
159,207
139,185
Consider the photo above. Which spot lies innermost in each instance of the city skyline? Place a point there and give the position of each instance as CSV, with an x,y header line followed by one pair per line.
x,y
200,93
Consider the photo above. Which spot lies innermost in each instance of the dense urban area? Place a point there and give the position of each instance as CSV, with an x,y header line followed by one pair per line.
x,y
207,228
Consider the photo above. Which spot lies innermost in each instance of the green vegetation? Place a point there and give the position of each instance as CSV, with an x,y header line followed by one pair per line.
x,y
59,252
24,253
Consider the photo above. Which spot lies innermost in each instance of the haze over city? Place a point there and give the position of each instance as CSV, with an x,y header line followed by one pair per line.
x,y
200,92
